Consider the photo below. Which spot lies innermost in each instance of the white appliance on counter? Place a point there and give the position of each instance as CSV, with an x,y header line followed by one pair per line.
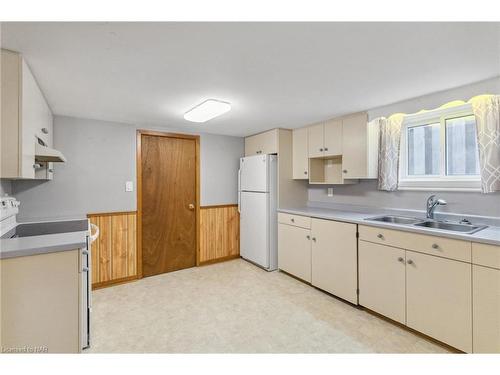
x,y
10,229
257,204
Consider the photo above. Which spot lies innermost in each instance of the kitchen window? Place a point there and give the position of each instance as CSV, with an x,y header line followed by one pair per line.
x,y
439,151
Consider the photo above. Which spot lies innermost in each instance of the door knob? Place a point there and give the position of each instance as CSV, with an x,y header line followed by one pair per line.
x,y
191,206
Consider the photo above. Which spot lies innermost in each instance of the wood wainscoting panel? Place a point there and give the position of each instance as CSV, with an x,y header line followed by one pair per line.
x,y
219,233
114,253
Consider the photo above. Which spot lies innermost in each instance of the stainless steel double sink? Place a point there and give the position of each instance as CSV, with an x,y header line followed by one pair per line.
x,y
431,224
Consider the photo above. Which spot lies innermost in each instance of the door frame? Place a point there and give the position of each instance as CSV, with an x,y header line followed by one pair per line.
x,y
196,138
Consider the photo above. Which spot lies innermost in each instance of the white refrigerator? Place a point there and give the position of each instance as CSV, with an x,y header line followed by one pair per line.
x,y
257,203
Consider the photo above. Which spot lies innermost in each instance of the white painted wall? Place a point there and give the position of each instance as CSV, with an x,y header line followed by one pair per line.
x,y
101,157
366,194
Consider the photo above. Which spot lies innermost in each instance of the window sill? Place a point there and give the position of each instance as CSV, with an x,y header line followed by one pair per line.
x,y
436,185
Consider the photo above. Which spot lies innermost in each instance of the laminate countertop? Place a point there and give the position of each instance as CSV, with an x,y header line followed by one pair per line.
x,y
75,237
489,235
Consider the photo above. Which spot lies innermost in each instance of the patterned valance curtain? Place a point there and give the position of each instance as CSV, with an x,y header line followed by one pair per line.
x,y
388,158
486,109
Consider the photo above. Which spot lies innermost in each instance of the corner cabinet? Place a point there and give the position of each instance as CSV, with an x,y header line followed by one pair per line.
x,y
26,120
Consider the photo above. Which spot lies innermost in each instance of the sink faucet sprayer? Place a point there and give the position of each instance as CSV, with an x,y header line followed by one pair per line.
x,y
432,203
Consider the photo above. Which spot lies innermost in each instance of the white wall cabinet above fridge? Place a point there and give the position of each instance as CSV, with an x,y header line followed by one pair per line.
x,y
27,122
262,143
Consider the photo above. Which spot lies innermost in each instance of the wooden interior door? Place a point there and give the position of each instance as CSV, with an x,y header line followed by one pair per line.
x,y
168,202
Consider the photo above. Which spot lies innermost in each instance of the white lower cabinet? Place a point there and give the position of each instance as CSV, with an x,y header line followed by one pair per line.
x,y
382,280
294,251
486,311
439,299
334,258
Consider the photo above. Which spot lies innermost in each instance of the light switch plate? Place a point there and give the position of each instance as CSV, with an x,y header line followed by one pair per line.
x,y
129,186
330,192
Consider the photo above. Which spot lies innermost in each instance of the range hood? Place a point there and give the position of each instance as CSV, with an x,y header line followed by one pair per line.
x,y
47,154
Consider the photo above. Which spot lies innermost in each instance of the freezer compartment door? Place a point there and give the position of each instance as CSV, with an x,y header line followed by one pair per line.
x,y
254,228
254,173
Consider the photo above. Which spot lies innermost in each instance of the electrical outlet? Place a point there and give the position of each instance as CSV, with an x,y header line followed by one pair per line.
x,y
330,192
129,186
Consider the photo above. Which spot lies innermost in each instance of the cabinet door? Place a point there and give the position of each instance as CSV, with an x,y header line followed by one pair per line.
x,y
315,135
294,251
263,143
300,156
334,258
439,299
355,147
486,309
382,280
333,138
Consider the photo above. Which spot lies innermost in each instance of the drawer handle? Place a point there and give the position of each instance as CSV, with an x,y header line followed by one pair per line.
x,y
410,261
292,220
308,237
400,259
435,246
380,235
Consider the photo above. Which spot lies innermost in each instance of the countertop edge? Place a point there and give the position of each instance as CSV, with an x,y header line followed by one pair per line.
x,y
42,250
359,218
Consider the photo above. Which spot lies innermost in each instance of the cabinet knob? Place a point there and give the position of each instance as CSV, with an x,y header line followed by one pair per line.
x,y
314,239
344,171
45,131
191,206
410,261
51,170
305,172
400,259
380,235
37,166
321,149
308,237
326,148
435,246
293,220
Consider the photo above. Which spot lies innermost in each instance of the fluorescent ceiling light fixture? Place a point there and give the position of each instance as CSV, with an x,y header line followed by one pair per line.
x,y
207,110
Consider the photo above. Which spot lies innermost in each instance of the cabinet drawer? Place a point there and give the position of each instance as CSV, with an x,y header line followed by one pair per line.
x,y
433,245
296,220
486,255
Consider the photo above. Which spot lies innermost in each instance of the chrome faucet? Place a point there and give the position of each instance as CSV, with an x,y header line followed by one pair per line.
x,y
432,203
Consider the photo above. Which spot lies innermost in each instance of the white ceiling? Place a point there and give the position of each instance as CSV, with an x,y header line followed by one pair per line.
x,y
274,74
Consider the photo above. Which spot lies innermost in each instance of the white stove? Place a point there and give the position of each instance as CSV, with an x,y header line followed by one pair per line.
x,y
9,208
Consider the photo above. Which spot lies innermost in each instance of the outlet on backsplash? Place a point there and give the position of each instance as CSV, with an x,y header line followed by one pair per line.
x,y
329,192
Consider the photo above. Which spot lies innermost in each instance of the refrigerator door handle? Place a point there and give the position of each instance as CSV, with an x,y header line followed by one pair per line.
x,y
239,190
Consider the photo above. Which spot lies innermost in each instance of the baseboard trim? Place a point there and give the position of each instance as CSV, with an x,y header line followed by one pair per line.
x,y
123,280
219,260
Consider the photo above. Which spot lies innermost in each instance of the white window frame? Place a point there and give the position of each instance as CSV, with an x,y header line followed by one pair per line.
x,y
441,182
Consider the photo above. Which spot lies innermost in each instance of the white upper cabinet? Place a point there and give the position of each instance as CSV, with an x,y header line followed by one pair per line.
x,y
26,119
262,143
325,139
360,147
300,154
